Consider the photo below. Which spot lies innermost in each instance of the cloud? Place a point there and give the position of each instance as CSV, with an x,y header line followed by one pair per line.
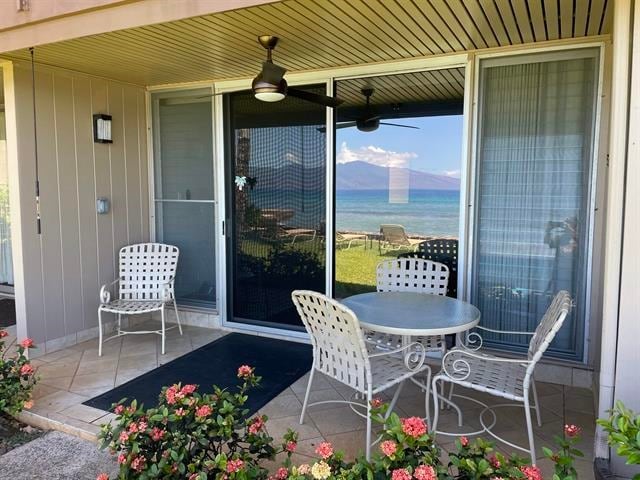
x,y
451,173
375,155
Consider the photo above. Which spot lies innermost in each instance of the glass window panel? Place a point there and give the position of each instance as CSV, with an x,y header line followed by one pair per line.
x,y
533,195
184,190
6,261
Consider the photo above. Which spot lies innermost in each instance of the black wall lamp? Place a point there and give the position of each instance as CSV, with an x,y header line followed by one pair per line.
x,y
102,128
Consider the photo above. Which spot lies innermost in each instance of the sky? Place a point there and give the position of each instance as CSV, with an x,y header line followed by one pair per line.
x,y
435,148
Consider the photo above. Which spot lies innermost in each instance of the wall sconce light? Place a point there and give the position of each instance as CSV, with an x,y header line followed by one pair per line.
x,y
102,206
102,128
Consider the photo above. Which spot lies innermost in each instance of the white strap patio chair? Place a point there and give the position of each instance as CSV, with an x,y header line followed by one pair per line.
x,y
509,378
411,275
147,273
340,352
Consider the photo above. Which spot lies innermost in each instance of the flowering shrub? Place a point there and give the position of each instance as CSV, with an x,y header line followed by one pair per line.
x,y
192,436
565,456
623,427
17,377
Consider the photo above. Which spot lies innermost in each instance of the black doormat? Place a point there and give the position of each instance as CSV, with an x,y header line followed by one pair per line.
x,y
278,362
7,312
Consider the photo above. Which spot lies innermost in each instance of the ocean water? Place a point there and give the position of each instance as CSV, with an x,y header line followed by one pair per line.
x,y
427,212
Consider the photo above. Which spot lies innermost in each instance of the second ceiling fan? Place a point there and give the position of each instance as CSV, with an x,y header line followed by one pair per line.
x,y
369,122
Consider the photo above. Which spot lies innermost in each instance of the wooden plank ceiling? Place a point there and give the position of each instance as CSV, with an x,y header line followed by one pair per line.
x,y
320,34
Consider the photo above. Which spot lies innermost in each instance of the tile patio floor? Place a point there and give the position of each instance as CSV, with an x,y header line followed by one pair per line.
x,y
71,376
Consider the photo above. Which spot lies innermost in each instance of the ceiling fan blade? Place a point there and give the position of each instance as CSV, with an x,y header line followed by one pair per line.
x,y
314,98
272,73
398,125
339,126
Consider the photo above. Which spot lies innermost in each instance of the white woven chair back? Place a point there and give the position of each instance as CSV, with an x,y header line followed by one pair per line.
x,y
339,349
549,325
412,275
147,270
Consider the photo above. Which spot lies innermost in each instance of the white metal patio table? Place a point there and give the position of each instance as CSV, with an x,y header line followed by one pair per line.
x,y
412,314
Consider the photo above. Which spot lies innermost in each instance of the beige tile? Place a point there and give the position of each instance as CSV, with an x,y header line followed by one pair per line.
x,y
320,382
308,447
278,427
62,383
57,370
282,406
351,443
100,365
338,420
62,356
83,413
322,396
40,390
93,381
58,401
104,419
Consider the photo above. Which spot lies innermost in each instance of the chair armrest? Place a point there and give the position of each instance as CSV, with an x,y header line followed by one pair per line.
x,y
460,368
413,359
105,294
474,340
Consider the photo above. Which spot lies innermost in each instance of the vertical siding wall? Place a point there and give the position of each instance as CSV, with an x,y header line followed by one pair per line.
x,y
76,253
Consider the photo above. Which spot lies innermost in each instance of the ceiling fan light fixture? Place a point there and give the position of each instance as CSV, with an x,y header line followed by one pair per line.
x,y
268,92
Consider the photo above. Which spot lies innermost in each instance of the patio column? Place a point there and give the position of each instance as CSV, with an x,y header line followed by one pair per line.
x,y
628,354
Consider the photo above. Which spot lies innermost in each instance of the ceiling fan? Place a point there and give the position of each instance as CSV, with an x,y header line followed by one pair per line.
x,y
270,86
369,122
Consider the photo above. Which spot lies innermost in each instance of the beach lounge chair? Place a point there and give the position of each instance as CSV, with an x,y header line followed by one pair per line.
x,y
393,237
348,238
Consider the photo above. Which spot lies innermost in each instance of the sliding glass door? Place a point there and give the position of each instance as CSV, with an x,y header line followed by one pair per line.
x,y
276,197
6,261
184,190
533,211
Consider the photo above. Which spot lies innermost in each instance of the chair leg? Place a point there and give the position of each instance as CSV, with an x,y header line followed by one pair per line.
x,y
537,403
368,446
99,332
394,400
436,407
119,323
306,395
527,412
427,397
175,307
163,329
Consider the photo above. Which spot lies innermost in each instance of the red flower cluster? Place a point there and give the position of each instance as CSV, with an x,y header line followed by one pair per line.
x,y
291,446
414,426
234,466
572,430
256,425
204,411
245,371
282,474
4,333
27,343
157,434
425,472
325,450
464,441
531,472
26,370
400,474
376,402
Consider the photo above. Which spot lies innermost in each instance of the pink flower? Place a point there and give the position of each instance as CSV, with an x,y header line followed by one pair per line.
x,y
414,427
388,447
138,464
27,343
102,476
122,458
245,371
188,389
291,446
4,333
400,474
376,402
256,426
28,404
572,430
493,460
325,450
180,412
464,441
124,437
157,434
531,472
133,427
118,410
142,426
170,395
203,411
425,472
304,469
26,369
234,465
282,473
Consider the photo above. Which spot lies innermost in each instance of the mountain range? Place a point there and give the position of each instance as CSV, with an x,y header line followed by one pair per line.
x,y
359,175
